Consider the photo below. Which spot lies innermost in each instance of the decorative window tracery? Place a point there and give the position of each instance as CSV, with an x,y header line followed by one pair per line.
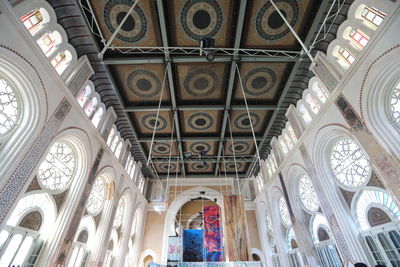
x,y
307,193
96,197
349,164
9,108
58,168
284,212
32,19
359,38
119,214
346,55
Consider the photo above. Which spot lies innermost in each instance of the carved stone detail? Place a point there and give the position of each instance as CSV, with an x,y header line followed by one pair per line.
x,y
18,180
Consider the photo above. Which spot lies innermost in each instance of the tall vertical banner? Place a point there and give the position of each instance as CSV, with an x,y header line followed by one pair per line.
x,y
192,245
212,234
235,229
174,248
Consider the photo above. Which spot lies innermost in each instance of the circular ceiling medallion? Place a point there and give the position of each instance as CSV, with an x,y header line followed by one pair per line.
x,y
200,166
259,81
134,28
149,121
269,23
167,166
231,166
200,82
242,121
199,147
240,147
200,121
201,19
143,83
161,148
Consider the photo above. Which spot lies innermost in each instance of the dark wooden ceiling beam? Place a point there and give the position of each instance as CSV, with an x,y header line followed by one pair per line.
x,y
238,38
212,159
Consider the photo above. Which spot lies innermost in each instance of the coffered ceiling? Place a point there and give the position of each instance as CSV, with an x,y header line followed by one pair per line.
x,y
155,57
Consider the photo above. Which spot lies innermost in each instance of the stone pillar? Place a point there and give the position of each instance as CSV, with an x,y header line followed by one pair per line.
x,y
80,209
279,156
346,239
385,164
302,232
21,177
107,123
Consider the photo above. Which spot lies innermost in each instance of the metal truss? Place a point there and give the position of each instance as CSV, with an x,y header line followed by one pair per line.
x,y
329,21
91,19
200,138
212,159
218,51
201,107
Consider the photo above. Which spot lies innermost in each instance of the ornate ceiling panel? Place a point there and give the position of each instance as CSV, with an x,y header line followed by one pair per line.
x,y
195,20
139,29
267,29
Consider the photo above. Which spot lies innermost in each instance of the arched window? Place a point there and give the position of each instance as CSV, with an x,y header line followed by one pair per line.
x,y
358,38
312,103
378,217
79,254
118,149
288,140
294,257
346,55
307,193
110,137
91,106
49,42
35,20
119,214
283,145
61,61
83,95
97,197
112,245
275,257
9,107
349,164
394,104
373,15
114,143
291,132
284,212
58,168
320,92
97,116
26,230
324,243
305,114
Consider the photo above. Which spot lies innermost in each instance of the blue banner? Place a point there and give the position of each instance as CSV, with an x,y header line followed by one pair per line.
x,y
193,245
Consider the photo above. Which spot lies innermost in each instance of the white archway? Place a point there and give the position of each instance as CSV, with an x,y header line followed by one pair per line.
x,y
175,206
259,253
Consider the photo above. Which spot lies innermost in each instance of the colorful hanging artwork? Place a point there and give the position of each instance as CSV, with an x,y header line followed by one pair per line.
x,y
193,245
212,234
174,248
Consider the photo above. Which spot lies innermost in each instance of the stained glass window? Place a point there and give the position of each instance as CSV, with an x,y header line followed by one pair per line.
x,y
307,193
359,38
394,103
9,109
96,197
57,170
284,212
83,95
349,164
373,15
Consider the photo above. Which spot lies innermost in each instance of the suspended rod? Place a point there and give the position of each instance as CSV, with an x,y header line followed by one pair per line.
x,y
293,31
101,54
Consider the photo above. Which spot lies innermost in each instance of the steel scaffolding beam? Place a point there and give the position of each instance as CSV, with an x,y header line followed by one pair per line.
x,y
200,138
200,176
212,159
199,107
171,85
238,38
195,59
